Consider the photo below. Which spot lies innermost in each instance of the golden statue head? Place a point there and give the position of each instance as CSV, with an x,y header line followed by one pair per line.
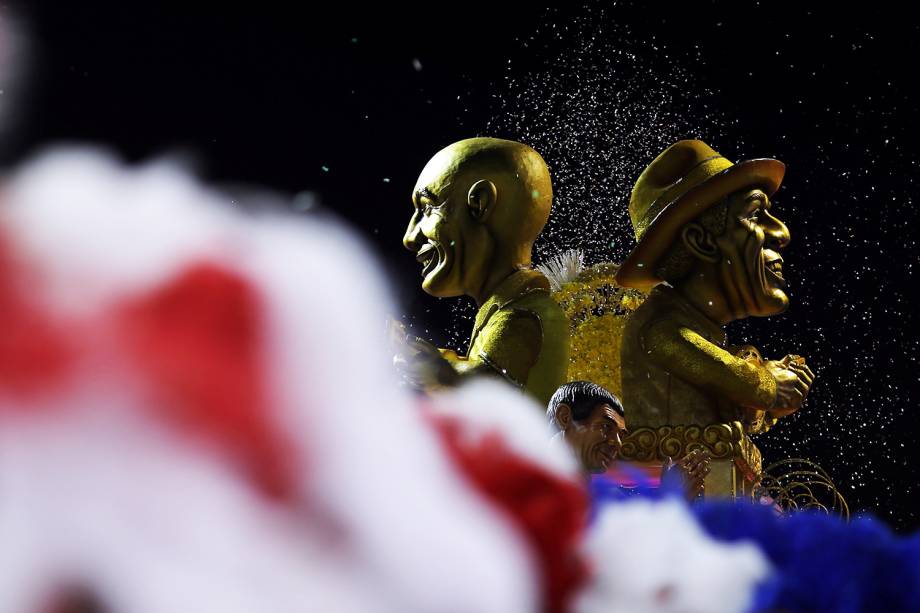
x,y
701,220
479,205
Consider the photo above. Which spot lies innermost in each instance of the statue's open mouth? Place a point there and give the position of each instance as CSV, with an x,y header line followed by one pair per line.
x,y
775,268
427,257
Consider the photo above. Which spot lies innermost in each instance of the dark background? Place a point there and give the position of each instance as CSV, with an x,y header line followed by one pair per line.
x,y
346,105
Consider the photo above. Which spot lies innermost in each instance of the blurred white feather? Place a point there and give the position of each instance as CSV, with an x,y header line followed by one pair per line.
x,y
652,557
402,530
563,268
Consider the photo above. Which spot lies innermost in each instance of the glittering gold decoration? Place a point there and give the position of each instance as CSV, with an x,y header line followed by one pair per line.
x,y
797,485
751,457
597,309
723,441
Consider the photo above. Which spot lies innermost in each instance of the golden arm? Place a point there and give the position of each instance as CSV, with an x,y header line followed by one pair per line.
x,y
687,355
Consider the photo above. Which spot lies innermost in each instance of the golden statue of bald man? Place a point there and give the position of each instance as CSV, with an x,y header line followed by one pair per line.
x,y
479,205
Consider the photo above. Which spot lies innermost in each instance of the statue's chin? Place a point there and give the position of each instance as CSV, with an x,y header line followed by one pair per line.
x,y
773,302
437,291
438,282
783,301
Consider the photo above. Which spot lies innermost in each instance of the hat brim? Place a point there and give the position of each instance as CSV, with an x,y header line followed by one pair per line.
x,y
638,270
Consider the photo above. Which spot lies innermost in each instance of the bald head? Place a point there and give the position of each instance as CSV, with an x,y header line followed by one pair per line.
x,y
479,205
522,188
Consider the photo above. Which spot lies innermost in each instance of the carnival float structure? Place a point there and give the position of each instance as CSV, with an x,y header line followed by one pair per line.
x,y
649,329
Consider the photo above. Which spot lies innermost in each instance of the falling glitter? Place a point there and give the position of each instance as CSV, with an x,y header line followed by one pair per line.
x,y
597,111
603,106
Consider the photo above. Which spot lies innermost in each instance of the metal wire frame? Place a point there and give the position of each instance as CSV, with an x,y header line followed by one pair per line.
x,y
797,484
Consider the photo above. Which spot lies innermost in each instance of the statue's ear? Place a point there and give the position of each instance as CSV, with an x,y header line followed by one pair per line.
x,y
563,417
700,242
481,199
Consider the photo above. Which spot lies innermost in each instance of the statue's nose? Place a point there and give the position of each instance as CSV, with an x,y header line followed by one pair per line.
x,y
776,233
413,238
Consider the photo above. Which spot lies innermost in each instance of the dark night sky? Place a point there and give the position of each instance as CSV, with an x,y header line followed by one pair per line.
x,y
350,104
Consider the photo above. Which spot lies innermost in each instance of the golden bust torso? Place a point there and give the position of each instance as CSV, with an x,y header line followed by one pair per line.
x,y
522,334
678,369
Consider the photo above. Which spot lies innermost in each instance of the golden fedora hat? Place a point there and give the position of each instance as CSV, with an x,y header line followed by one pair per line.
x,y
685,180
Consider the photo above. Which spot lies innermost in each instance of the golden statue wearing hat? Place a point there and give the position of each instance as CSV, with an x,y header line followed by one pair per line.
x,y
479,205
709,247
709,252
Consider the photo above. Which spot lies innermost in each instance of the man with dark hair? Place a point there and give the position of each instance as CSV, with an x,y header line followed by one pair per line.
x,y
590,420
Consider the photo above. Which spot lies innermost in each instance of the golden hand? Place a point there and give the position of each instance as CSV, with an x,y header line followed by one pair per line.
x,y
793,381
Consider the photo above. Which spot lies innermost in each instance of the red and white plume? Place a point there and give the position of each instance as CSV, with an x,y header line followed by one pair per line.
x,y
197,413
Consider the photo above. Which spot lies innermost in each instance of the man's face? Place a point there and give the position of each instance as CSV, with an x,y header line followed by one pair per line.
x,y
451,246
751,267
597,439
